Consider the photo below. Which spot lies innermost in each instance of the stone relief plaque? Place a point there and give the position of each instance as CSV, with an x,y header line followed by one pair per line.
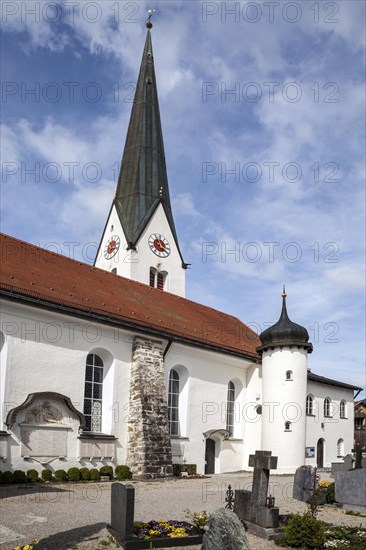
x,y
3,448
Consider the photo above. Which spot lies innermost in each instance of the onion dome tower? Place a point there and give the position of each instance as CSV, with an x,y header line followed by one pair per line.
x,y
284,349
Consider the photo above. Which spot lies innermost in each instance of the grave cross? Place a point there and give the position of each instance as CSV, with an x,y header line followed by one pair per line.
x,y
358,452
262,462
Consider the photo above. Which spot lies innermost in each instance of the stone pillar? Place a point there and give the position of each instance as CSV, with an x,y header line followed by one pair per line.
x,y
149,453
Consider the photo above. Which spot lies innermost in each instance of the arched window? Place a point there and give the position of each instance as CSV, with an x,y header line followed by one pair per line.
x,y
230,407
343,409
289,375
152,280
93,393
114,271
173,403
310,405
258,410
340,448
287,426
327,407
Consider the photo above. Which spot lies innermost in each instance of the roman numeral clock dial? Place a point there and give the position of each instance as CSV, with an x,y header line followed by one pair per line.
x,y
159,245
112,246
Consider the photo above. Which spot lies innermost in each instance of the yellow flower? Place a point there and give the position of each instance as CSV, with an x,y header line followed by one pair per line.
x,y
27,547
36,541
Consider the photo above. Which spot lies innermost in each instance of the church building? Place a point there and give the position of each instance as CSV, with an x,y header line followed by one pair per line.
x,y
111,364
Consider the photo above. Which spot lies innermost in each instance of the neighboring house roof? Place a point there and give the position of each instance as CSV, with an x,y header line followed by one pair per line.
x,y
45,279
322,380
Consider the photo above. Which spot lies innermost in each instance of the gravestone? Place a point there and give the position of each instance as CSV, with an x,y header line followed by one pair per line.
x,y
224,531
303,483
347,464
251,506
350,489
122,509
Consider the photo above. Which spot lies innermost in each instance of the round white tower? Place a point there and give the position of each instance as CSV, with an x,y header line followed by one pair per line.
x,y
284,348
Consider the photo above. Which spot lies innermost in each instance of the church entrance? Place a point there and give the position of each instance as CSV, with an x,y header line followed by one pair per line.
x,y
210,456
320,453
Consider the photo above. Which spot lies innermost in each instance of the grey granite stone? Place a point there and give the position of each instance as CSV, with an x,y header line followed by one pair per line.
x,y
122,509
225,532
303,483
350,487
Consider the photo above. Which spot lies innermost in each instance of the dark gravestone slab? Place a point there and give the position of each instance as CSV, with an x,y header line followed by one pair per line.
x,y
122,509
225,531
303,483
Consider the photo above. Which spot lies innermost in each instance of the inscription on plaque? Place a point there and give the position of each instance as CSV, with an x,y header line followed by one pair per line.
x,y
42,441
96,449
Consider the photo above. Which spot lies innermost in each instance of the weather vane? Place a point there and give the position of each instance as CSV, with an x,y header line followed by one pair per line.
x,y
148,22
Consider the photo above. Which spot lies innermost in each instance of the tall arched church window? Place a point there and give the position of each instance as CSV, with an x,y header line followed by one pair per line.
x,y
343,409
340,448
230,408
327,407
93,393
173,403
309,405
289,375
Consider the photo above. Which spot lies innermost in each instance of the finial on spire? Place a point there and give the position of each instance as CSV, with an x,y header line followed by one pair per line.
x,y
284,292
148,22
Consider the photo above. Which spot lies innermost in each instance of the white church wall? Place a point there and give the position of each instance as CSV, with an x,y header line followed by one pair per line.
x,y
144,258
330,429
206,403
122,259
3,375
253,420
48,353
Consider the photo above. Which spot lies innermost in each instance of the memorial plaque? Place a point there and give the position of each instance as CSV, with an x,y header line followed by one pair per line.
x,y
3,448
91,448
43,441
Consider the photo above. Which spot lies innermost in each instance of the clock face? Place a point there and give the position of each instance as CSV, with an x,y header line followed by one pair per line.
x,y
112,246
159,245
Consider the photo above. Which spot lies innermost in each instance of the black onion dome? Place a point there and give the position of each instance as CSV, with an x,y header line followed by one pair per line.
x,y
285,333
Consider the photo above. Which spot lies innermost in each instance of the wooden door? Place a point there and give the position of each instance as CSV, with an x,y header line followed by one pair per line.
x,y
210,456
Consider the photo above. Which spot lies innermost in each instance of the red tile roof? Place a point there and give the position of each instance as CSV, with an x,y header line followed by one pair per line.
x,y
52,280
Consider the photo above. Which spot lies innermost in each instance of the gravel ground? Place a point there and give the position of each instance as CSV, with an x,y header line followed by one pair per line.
x,y
74,516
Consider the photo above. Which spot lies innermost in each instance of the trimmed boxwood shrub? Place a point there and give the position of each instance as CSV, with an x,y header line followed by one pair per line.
x,y
8,477
177,468
190,468
46,475
60,475
123,472
19,476
94,474
305,531
84,473
106,471
1,477
32,476
73,474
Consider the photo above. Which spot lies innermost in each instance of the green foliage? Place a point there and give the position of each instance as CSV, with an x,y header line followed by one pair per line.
x,y
60,475
190,468
94,474
106,471
46,475
1,477
352,513
73,474
177,468
32,475
19,476
8,477
346,538
304,531
123,472
84,473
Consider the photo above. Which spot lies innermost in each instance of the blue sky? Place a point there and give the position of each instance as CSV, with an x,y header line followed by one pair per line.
x,y
262,107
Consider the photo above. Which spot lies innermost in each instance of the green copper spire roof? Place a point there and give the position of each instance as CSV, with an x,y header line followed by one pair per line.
x,y
143,181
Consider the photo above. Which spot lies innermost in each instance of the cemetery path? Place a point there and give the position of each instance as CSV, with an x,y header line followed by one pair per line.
x,y
73,516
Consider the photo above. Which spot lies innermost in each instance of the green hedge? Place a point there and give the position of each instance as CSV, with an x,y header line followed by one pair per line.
x,y
8,477
94,475
84,473
179,468
20,477
106,471
123,472
60,475
46,475
32,476
73,474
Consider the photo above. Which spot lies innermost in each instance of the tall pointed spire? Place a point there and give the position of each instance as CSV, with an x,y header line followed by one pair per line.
x,y
143,181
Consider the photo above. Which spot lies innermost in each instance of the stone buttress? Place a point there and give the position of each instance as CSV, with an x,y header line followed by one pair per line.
x,y
149,452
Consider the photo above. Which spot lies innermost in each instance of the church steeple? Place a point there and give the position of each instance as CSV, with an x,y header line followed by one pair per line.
x,y
141,221
143,181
